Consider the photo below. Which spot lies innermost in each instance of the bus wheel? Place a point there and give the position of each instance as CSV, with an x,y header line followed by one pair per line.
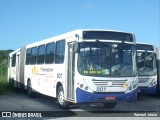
x,y
60,99
29,89
139,95
109,104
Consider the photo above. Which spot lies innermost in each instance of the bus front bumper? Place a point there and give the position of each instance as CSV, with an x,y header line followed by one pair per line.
x,y
148,90
84,96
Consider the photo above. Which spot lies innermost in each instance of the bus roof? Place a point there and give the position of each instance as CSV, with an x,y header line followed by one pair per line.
x,y
13,52
145,46
72,34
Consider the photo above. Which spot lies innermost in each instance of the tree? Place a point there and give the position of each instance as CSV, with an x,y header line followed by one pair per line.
x,y
4,61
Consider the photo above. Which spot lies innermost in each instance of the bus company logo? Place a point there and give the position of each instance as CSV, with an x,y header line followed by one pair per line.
x,y
6,114
34,71
46,70
109,83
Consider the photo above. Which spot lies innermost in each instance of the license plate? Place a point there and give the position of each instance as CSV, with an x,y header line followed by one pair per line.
x,y
110,98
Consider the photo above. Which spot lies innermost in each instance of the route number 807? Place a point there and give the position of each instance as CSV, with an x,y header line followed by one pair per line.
x,y
101,89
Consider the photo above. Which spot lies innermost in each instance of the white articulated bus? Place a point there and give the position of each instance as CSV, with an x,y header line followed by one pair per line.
x,y
16,68
78,67
147,70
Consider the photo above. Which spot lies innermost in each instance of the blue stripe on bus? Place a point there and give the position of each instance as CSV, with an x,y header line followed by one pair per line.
x,y
84,96
148,90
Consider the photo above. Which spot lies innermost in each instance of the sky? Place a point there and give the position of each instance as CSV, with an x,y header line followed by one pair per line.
x,y
26,21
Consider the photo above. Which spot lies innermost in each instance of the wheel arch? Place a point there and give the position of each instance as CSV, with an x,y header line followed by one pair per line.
x,y
57,86
28,79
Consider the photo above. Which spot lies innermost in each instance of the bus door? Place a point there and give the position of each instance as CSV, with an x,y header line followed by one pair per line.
x,y
70,72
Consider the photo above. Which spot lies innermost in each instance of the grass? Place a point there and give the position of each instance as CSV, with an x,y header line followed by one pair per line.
x,y
4,85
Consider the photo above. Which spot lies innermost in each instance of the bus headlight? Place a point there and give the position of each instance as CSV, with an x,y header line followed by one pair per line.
x,y
153,83
81,85
86,88
132,87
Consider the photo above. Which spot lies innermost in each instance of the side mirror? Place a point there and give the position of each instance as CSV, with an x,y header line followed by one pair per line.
x,y
76,47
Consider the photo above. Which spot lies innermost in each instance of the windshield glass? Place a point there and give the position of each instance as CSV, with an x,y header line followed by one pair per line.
x,y
106,59
146,63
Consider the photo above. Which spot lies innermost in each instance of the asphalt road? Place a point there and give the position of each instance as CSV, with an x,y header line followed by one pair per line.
x,y
19,102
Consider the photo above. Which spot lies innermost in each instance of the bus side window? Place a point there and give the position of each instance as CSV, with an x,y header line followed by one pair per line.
x,y
33,58
60,50
50,52
14,60
28,54
41,54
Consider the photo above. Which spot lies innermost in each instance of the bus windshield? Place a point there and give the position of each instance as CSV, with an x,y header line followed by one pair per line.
x,y
146,63
102,59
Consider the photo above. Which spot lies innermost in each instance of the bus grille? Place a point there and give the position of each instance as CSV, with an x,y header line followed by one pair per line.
x,y
109,83
143,80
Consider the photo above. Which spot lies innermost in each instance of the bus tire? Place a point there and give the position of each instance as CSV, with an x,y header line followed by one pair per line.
x,y
60,99
109,104
29,89
139,95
